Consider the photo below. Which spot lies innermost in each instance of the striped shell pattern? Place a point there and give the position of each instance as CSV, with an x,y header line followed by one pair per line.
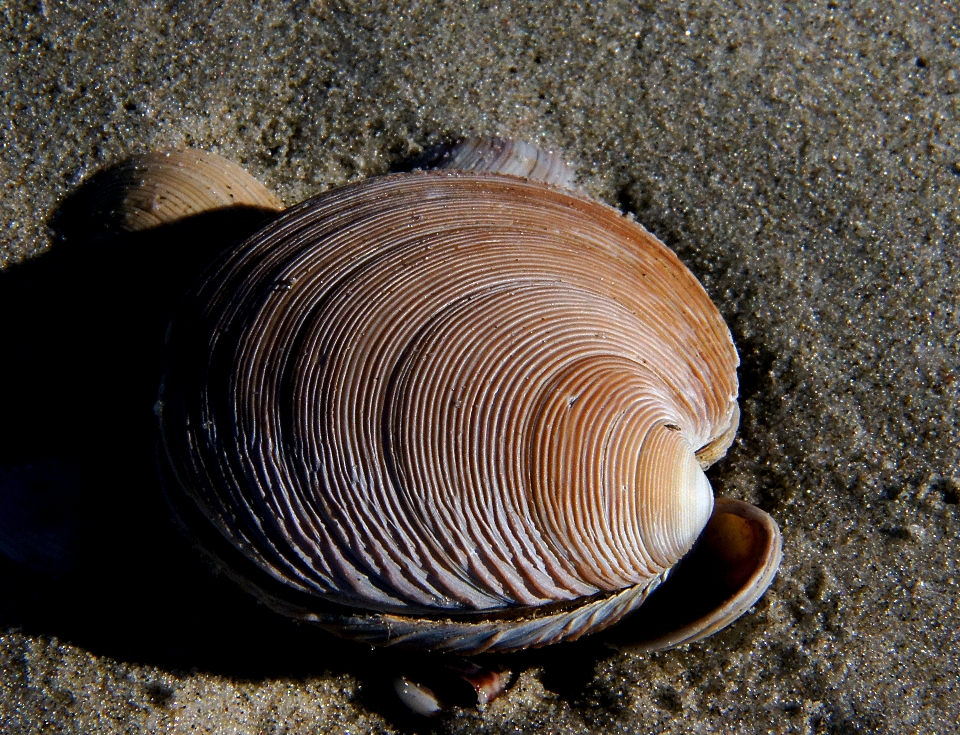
x,y
449,409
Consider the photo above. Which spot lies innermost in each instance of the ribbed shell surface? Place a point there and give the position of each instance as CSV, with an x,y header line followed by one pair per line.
x,y
449,392
167,186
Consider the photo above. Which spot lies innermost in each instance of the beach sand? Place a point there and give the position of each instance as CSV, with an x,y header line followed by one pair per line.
x,y
804,162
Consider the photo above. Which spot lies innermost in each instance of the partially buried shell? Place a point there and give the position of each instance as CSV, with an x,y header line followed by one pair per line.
x,y
159,188
457,411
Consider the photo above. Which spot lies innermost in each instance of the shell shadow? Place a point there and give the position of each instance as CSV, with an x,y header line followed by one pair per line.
x,y
88,550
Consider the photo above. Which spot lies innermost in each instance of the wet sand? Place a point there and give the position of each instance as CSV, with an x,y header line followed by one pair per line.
x,y
804,163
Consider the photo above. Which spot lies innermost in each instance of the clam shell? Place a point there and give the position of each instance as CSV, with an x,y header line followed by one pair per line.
x,y
164,187
462,411
500,155
732,566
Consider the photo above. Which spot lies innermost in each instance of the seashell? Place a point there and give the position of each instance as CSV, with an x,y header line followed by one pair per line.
x,y
456,681
500,155
154,189
451,410
733,564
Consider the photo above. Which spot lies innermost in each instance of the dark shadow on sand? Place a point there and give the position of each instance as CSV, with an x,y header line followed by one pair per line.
x,y
92,554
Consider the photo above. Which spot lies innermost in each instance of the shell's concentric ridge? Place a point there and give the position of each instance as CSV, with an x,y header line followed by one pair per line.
x,y
162,187
452,394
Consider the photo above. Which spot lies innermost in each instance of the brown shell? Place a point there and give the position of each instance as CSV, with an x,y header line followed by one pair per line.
x,y
162,187
500,156
455,410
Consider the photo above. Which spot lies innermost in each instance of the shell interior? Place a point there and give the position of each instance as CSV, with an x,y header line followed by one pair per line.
x,y
731,567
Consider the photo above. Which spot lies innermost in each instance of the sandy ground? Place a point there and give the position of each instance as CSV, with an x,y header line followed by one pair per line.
x,y
805,164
